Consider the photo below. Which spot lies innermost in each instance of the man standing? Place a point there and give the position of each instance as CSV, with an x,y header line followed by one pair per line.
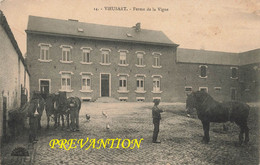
x,y
33,119
156,120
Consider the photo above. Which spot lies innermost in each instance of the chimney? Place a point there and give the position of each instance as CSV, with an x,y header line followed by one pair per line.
x,y
138,27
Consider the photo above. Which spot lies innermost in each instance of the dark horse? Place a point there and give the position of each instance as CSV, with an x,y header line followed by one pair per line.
x,y
209,110
51,109
61,107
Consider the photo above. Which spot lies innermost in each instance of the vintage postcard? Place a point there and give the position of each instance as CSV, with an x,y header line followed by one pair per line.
x,y
129,81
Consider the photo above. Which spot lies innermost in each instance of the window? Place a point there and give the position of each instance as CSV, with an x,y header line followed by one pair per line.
x,y
140,84
203,89
44,52
123,99
140,59
66,81
203,71
86,83
234,73
105,57
66,54
122,58
86,99
122,83
188,89
86,56
140,99
44,55
156,84
156,60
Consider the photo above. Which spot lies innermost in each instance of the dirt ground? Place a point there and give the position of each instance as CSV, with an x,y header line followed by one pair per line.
x,y
180,138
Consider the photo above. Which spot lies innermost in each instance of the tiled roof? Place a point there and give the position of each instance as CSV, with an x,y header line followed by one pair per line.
x,y
250,57
74,28
207,57
4,24
218,58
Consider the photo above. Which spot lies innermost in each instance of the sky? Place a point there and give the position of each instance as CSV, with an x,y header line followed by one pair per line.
x,y
218,25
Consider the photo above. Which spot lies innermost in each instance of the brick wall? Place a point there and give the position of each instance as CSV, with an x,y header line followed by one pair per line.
x,y
250,82
188,74
50,70
175,76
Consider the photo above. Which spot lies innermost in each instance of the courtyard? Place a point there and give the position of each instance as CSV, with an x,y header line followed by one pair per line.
x,y
180,138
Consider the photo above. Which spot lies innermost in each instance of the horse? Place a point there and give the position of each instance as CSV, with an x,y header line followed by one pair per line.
x,y
209,110
74,105
51,108
61,106
40,105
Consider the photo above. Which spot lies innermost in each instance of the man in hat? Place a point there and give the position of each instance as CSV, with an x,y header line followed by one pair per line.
x,y
156,112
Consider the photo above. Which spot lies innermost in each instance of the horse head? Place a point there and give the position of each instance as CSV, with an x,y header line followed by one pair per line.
x,y
72,103
195,100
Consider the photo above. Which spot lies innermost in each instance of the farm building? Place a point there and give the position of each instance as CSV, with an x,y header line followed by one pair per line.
x,y
92,61
226,76
131,64
14,83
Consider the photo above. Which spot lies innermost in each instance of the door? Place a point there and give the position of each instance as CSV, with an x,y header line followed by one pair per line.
x,y
104,85
44,88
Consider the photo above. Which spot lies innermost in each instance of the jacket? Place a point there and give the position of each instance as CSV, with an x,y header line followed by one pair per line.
x,y
156,112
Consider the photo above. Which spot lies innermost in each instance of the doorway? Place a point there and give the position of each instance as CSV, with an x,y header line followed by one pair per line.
x,y
105,85
44,88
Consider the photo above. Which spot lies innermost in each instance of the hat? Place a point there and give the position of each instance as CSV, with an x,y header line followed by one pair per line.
x,y
156,101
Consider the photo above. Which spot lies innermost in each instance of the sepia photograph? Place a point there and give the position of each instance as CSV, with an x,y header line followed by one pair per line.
x,y
129,82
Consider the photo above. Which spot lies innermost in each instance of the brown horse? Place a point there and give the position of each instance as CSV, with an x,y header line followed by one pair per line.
x,y
209,110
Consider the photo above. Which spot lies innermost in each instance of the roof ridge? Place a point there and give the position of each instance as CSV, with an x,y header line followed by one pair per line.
x,y
54,26
78,21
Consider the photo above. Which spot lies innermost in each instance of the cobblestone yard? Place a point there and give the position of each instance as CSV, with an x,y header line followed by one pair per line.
x,y
180,136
